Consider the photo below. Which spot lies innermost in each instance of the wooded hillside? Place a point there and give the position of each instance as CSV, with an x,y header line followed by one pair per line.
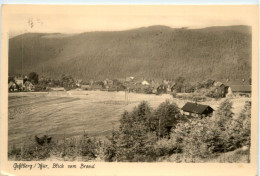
x,y
156,52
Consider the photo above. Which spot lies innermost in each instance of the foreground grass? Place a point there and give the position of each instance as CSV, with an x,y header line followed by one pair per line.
x,y
237,156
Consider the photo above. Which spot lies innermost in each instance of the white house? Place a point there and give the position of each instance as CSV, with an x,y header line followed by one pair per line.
x,y
145,83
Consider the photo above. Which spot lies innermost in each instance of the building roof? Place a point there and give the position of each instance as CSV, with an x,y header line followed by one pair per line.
x,y
11,83
240,88
195,108
234,82
218,84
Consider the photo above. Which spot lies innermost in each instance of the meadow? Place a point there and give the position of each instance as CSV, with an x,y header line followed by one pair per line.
x,y
69,114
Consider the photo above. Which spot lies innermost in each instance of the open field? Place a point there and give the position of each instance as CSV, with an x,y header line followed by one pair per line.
x,y
70,113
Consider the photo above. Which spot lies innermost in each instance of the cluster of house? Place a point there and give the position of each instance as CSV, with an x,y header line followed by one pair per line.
x,y
130,84
222,87
20,84
233,88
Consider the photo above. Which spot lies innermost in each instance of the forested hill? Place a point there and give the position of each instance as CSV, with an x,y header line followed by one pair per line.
x,y
154,52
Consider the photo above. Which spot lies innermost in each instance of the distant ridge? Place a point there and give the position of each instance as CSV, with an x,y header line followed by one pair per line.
x,y
154,52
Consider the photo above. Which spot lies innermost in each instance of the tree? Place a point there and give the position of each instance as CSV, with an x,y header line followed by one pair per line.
x,y
205,84
189,88
245,116
225,110
224,119
134,139
179,84
209,83
33,77
111,147
11,78
198,138
67,82
240,129
165,117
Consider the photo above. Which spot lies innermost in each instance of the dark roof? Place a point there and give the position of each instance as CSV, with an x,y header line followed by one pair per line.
x,y
240,88
195,108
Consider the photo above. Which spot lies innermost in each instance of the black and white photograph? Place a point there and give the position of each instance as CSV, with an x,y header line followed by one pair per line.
x,y
153,84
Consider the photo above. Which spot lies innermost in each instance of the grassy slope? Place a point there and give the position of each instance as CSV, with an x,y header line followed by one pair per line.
x,y
236,156
153,52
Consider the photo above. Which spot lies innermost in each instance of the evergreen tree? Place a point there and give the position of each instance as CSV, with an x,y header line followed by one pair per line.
x,y
165,117
134,140
33,77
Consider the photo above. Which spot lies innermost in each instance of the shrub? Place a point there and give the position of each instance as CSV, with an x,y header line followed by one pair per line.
x,y
30,151
199,138
87,146
166,147
68,148
111,147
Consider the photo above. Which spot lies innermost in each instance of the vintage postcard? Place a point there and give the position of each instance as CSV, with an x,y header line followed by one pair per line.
x,y
129,90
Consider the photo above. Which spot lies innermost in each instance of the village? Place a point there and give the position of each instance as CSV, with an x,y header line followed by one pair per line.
x,y
211,88
178,88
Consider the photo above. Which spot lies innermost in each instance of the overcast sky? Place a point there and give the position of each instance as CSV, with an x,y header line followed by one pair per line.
x,y
77,19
